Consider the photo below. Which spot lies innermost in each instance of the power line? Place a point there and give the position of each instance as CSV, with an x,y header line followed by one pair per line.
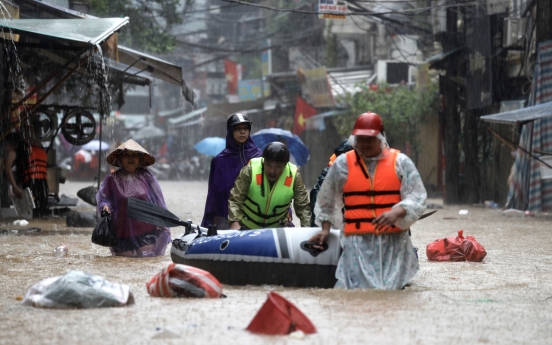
x,y
365,12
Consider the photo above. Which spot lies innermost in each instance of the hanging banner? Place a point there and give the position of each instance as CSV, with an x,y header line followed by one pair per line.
x,y
303,111
319,87
232,71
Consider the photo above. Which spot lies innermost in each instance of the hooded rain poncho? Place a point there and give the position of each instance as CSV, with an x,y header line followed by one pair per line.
x,y
225,167
371,261
133,235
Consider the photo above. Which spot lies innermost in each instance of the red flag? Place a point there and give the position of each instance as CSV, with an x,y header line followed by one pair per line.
x,y
303,111
231,72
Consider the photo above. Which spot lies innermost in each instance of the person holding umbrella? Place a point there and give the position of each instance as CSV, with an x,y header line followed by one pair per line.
x,y
264,191
225,167
382,195
133,179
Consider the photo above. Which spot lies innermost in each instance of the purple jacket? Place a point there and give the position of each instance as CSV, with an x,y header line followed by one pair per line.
x,y
225,167
132,234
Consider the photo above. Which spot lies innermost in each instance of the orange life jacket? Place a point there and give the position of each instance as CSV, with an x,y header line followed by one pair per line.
x,y
366,199
35,167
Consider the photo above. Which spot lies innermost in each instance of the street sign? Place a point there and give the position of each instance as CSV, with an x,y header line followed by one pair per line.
x,y
332,9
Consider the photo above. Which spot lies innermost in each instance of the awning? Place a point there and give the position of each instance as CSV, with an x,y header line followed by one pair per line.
x,y
129,75
326,114
521,116
342,80
157,68
187,116
345,80
91,31
317,121
172,112
440,61
189,123
72,33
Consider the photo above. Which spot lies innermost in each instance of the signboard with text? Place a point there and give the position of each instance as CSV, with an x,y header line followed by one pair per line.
x,y
332,9
319,87
252,89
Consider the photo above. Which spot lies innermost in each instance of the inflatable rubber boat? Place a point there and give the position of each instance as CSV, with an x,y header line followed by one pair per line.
x,y
278,256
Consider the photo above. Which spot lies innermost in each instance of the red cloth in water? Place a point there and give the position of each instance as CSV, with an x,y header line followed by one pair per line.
x,y
456,248
177,280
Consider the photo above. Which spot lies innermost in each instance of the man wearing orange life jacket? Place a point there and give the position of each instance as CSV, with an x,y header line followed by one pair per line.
x,y
382,195
31,161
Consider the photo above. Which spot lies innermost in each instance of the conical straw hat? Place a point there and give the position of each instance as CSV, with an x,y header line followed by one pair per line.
x,y
130,145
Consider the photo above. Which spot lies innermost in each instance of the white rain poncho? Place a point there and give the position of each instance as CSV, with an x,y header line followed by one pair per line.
x,y
384,261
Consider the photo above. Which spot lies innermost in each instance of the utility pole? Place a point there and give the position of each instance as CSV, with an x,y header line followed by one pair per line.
x,y
451,135
544,20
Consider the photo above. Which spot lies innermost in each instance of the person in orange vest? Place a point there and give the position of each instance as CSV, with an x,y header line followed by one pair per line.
x,y
382,195
31,161
343,147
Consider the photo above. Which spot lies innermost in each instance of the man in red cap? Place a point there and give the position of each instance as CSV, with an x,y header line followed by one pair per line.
x,y
382,195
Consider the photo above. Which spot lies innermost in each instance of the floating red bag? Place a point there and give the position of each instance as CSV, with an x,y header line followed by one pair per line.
x,y
177,280
456,248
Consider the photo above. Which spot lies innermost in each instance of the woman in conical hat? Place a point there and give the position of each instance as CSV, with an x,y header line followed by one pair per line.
x,y
132,179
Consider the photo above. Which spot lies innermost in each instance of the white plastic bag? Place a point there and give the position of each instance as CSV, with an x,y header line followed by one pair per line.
x,y
78,290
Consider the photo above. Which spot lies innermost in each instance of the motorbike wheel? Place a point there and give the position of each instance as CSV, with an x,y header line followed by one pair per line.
x,y
78,127
46,122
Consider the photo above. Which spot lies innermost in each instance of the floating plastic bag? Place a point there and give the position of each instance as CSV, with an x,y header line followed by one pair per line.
x,y
177,280
78,290
104,233
456,248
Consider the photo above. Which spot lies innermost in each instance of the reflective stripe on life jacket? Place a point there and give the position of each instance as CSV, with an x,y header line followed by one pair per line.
x,y
366,199
35,166
270,210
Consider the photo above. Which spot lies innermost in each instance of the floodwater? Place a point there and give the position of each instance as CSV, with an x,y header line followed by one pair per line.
x,y
507,299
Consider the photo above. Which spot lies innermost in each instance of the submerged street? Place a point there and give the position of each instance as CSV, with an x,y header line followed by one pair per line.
x,y
506,299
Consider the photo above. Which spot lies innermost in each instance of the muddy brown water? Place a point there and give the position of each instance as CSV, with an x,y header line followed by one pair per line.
x,y
507,299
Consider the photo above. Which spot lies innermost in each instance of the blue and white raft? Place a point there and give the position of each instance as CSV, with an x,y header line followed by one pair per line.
x,y
278,256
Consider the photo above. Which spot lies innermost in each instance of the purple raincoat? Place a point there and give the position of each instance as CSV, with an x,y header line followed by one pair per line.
x,y
135,238
225,167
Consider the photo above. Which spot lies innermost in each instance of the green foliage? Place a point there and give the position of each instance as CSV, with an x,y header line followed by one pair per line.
x,y
150,21
402,109
251,66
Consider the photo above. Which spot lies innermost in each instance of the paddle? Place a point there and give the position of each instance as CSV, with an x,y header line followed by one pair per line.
x,y
427,214
157,215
